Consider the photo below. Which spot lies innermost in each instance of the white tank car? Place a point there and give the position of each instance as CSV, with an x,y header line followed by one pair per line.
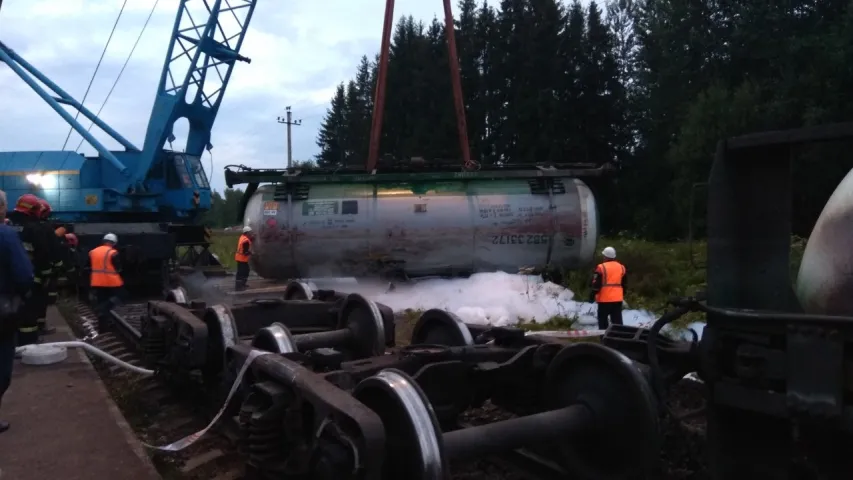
x,y
825,279
440,228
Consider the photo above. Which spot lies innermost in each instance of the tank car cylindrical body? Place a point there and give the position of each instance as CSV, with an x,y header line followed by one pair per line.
x,y
440,228
825,279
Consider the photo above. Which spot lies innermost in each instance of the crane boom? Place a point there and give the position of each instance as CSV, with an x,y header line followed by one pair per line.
x,y
212,51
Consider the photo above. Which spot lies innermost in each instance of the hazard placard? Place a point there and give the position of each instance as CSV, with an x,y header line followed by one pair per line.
x,y
270,209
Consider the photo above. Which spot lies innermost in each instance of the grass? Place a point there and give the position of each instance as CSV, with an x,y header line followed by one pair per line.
x,y
656,272
224,244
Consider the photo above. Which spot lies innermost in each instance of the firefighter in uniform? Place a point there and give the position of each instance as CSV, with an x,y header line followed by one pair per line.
x,y
71,243
38,242
105,279
65,269
57,267
244,253
608,289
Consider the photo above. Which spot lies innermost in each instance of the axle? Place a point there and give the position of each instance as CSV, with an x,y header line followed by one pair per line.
x,y
517,432
360,332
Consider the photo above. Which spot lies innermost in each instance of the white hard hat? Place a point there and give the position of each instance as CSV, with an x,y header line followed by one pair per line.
x,y
247,229
110,237
609,252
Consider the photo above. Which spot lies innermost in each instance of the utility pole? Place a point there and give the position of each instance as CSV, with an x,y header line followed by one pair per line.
x,y
287,121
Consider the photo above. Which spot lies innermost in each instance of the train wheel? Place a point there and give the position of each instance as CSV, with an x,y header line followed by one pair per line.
x,y
624,407
440,327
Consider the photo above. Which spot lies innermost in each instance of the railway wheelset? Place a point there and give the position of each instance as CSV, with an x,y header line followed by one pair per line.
x,y
334,398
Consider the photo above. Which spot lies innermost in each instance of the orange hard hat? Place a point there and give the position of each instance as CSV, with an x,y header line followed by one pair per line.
x,y
45,208
28,204
60,232
71,239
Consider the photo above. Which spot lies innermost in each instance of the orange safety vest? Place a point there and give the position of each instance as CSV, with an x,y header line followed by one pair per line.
x,y
240,256
104,273
611,282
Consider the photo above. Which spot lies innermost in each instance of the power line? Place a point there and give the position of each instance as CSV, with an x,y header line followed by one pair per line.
x,y
150,14
288,120
97,67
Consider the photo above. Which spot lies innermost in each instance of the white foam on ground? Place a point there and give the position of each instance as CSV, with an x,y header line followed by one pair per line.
x,y
497,299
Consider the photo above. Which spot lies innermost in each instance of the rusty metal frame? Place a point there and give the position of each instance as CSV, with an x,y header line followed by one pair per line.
x,y
382,77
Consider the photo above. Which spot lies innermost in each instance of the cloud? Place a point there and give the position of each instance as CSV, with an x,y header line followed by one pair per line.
x,y
300,50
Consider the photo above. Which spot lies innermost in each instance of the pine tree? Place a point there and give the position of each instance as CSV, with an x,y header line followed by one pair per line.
x,y
330,138
469,49
490,83
620,21
361,111
352,123
572,114
602,91
542,72
509,69
441,139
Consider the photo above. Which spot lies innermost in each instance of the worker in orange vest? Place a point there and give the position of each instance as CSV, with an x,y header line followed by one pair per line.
x,y
608,289
244,253
105,279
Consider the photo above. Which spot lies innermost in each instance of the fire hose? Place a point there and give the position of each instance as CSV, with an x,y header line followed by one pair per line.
x,y
55,352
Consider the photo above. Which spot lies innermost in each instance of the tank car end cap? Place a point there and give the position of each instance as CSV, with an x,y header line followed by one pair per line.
x,y
43,354
624,408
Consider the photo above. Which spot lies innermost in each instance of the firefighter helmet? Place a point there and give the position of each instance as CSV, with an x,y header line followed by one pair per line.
x,y
28,204
71,240
45,209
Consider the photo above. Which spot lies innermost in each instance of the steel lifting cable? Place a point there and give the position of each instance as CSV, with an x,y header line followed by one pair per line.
x,y
126,61
97,67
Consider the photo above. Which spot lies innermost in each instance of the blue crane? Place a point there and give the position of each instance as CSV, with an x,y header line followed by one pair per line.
x,y
151,197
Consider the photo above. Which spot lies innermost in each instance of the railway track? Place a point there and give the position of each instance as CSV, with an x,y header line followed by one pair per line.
x,y
160,415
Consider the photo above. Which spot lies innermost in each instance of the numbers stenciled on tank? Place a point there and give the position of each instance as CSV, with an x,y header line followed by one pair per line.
x,y
505,210
521,239
496,211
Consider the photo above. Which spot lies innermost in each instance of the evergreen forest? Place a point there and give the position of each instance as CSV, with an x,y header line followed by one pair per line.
x,y
647,85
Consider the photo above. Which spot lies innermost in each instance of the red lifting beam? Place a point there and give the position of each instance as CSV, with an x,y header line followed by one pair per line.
x,y
382,76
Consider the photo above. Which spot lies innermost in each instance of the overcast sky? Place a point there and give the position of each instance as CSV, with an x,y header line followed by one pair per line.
x,y
300,50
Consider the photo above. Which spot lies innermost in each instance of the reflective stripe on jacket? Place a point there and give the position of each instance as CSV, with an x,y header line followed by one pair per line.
x,y
241,247
611,282
104,273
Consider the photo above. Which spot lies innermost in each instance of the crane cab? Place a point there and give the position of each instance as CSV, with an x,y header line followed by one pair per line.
x,y
182,182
